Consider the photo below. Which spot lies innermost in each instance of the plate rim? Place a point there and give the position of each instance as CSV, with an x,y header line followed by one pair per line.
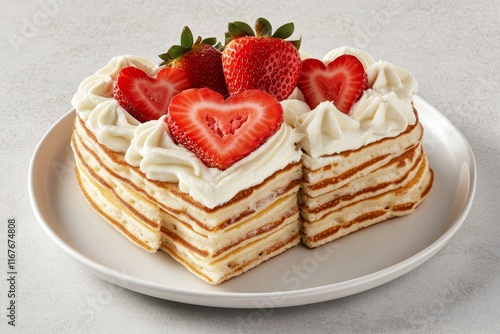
x,y
296,297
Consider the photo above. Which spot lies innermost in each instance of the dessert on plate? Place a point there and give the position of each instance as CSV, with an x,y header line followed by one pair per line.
x,y
227,156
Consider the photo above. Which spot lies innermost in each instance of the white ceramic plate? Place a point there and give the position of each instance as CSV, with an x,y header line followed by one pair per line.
x,y
300,276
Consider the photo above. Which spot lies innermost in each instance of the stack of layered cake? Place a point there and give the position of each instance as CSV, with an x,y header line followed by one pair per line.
x,y
224,180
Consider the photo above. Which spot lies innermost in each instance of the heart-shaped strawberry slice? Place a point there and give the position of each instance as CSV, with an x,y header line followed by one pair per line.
x,y
147,98
342,82
221,132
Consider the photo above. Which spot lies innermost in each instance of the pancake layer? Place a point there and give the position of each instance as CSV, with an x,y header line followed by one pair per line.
x,y
356,189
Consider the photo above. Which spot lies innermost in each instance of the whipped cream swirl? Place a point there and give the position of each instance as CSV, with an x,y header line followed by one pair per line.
x,y
385,77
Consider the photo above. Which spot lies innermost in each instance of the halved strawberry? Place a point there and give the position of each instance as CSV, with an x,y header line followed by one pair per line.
x,y
222,132
200,59
260,59
342,82
147,98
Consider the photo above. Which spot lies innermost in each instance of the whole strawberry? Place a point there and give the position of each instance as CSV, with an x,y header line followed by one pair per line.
x,y
260,59
200,59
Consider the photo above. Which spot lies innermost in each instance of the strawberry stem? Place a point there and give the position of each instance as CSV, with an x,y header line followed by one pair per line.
x,y
209,41
263,28
187,43
239,29
176,51
284,31
187,38
297,43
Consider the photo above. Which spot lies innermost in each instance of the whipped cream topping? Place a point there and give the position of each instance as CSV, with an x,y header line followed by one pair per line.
x,y
155,153
95,104
384,110
384,115
294,108
326,130
385,77
112,125
150,147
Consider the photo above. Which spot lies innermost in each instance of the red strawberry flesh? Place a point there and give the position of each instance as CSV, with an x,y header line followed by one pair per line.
x,y
147,98
342,81
221,132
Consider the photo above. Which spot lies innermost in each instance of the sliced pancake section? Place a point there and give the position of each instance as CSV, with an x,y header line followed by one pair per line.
x,y
215,244
356,189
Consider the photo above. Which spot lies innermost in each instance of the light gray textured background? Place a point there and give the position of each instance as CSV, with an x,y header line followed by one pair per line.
x,y
49,46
